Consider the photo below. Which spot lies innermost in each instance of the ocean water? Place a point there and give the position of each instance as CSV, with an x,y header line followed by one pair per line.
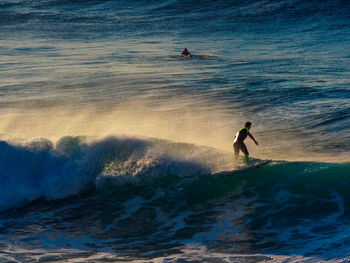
x,y
110,141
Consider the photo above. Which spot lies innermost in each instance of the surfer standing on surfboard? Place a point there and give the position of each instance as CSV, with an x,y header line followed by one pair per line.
x,y
238,143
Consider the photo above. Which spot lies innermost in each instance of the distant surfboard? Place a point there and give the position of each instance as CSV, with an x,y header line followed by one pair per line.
x,y
244,168
200,56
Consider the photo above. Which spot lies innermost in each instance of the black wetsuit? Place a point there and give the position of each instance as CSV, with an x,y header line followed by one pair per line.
x,y
239,141
186,54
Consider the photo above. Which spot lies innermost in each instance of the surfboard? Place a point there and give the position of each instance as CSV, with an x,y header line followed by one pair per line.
x,y
244,168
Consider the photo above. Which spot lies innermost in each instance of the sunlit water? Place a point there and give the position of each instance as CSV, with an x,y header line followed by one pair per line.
x,y
109,138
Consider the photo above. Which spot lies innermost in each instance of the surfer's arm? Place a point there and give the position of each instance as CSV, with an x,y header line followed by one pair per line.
x,y
252,137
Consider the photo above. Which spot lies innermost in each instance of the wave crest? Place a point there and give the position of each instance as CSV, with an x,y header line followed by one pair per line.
x,y
41,169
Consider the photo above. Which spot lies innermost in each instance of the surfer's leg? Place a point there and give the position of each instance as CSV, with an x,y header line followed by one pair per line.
x,y
246,158
246,153
236,150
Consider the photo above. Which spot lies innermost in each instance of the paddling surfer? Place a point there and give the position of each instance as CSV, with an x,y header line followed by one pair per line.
x,y
186,53
238,143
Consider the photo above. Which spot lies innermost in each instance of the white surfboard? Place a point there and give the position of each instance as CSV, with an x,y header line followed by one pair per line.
x,y
244,168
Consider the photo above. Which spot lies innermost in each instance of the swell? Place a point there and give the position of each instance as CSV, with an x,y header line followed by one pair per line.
x,y
95,17
127,192
41,169
125,168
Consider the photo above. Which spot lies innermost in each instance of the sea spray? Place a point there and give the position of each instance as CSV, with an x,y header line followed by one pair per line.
x,y
41,170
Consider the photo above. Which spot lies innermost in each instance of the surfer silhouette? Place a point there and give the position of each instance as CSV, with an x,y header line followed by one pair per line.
x,y
238,143
186,53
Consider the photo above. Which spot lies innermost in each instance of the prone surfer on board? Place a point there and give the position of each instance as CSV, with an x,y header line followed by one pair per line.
x,y
186,53
238,143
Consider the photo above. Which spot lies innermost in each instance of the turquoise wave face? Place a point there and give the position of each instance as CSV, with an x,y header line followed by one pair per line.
x,y
147,198
42,170
126,167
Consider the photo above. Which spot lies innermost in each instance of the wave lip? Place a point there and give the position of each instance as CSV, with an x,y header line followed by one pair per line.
x,y
41,169
38,170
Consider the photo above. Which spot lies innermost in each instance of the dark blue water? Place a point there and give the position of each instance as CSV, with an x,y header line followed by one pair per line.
x,y
110,139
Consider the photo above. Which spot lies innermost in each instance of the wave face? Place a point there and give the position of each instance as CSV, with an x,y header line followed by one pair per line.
x,y
155,199
40,170
86,84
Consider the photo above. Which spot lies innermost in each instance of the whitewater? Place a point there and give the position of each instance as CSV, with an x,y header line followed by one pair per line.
x,y
111,142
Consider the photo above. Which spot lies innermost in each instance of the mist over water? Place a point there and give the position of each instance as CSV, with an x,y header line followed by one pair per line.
x,y
99,69
109,139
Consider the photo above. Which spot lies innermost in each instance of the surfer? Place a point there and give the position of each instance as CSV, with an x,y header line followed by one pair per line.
x,y
186,53
238,143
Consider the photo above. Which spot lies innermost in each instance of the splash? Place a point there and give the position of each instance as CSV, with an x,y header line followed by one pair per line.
x,y
40,169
